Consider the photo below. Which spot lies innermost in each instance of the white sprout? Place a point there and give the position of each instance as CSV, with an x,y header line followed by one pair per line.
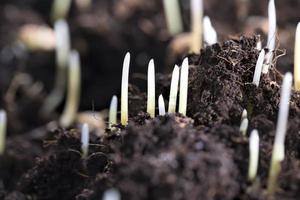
x,y
278,147
183,90
161,105
111,194
113,109
244,114
85,135
196,17
259,44
62,40
173,16
297,59
73,96
60,9
3,124
151,89
258,68
209,33
124,90
244,127
173,90
253,154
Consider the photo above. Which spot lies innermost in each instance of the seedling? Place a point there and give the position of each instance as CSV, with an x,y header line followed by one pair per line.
x,y
244,114
113,109
173,90
3,124
173,16
85,135
254,155
151,89
111,194
278,147
161,105
258,68
297,59
60,9
183,90
209,33
124,90
62,40
73,96
196,17
244,127
258,44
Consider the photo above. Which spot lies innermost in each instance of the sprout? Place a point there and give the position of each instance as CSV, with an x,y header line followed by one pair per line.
x,y
184,76
60,9
62,38
173,16
73,96
124,90
244,127
3,123
196,16
209,33
254,155
111,194
161,105
258,68
85,135
258,44
173,90
113,109
297,59
244,114
151,89
278,147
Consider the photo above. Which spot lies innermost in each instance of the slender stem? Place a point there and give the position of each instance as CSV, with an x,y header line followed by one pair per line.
x,y
60,9
209,33
161,105
151,89
124,90
113,109
244,127
184,76
297,59
254,155
244,114
3,124
112,194
173,16
173,90
85,135
196,17
258,68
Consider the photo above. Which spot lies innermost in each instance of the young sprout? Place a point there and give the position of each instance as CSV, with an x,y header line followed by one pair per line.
x,y
196,17
244,114
161,105
173,90
73,96
85,135
258,44
278,147
183,90
244,127
209,33
113,109
62,40
258,68
3,122
297,59
173,16
111,194
60,9
124,90
253,154
151,89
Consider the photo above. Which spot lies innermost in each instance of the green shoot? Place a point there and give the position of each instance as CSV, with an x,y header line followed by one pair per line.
x,y
173,90
62,38
113,109
184,77
151,89
85,135
253,154
112,194
73,96
278,147
3,124
258,68
60,9
196,17
124,90
173,16
161,105
244,114
209,33
297,59
244,127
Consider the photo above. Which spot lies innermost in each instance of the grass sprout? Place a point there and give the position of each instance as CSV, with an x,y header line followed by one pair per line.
x,y
85,135
196,18
124,90
258,68
60,9
297,59
253,154
209,33
73,96
113,109
244,114
173,16
183,90
3,124
151,89
161,105
112,194
244,127
278,147
259,44
173,90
